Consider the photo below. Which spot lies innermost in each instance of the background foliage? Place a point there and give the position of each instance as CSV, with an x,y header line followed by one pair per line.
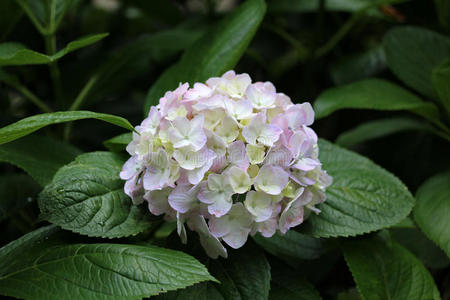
x,y
376,71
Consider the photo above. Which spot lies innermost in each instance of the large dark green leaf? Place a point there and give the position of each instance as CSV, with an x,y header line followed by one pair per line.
x,y
308,6
39,156
31,124
375,94
16,191
388,271
216,52
433,210
441,83
292,245
362,65
87,197
378,129
15,54
419,245
363,197
413,52
46,264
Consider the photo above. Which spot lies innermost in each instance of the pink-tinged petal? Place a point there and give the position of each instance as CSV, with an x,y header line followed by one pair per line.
x,y
133,188
219,164
268,227
158,203
221,206
278,155
219,226
209,242
261,95
259,204
213,102
236,239
271,179
199,90
252,131
157,172
269,134
301,178
306,164
196,175
131,167
181,230
237,155
183,198
291,216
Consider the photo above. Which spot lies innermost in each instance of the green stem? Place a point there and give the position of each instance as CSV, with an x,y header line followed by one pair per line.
x,y
77,103
302,51
339,35
29,95
50,45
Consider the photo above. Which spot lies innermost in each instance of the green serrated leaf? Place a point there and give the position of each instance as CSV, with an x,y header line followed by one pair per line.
x,y
412,53
419,245
378,129
39,156
388,271
16,191
118,143
363,197
433,210
292,245
441,83
374,94
15,54
216,52
86,196
33,123
53,267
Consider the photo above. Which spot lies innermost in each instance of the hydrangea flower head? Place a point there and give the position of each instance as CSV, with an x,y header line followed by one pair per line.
x,y
228,158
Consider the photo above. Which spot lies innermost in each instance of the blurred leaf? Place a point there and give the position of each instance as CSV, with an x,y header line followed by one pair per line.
x,y
125,64
309,6
56,268
213,54
360,198
46,15
10,14
15,54
286,284
378,129
443,12
16,191
441,83
425,250
388,271
39,156
350,294
412,53
36,122
433,210
165,11
374,94
359,66
118,143
87,197
292,245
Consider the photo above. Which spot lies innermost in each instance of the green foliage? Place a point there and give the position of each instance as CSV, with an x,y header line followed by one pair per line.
x,y
46,258
378,129
15,54
118,143
386,270
214,53
441,80
86,196
292,245
360,198
375,94
16,191
412,53
39,156
31,124
433,208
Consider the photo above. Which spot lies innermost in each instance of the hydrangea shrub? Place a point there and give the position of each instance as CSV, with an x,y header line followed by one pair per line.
x,y
228,158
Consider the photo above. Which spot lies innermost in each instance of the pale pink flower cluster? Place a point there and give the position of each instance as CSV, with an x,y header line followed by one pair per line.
x,y
227,158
